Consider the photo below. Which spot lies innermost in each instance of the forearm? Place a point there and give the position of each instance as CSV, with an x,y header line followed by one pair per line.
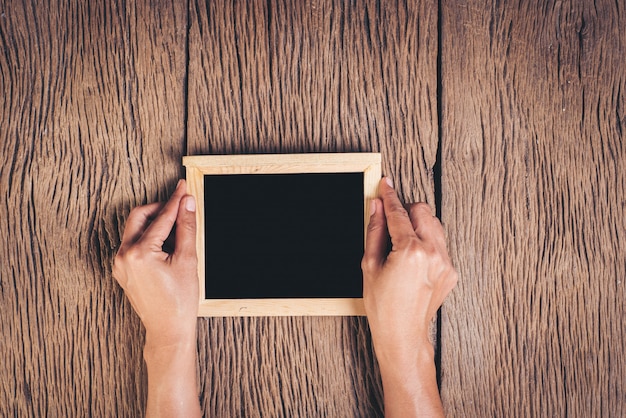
x,y
172,388
410,384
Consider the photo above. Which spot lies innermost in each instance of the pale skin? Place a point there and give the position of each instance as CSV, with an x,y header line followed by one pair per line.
x,y
402,291
168,301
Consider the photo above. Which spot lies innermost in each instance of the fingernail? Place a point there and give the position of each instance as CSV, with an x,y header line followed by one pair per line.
x,y
372,207
190,204
389,182
179,183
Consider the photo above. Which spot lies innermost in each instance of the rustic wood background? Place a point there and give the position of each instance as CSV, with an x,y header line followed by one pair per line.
x,y
508,117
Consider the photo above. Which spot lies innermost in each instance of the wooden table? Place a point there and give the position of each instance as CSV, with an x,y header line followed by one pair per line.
x,y
509,118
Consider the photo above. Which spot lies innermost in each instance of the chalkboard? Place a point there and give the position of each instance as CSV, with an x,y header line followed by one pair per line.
x,y
281,234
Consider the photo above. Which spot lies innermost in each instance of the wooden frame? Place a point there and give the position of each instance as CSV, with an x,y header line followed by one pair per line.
x,y
199,166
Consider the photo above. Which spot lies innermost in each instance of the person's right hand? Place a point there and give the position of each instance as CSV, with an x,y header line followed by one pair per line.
x,y
402,291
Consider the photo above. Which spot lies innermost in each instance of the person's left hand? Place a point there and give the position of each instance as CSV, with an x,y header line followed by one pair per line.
x,y
162,287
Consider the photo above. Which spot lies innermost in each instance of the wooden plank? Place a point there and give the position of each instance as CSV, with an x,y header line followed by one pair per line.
x,y
92,115
534,165
317,76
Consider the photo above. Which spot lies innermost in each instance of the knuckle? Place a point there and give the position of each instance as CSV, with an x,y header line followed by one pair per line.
x,y
398,212
368,264
420,208
364,264
441,265
422,254
118,256
423,205
115,270
447,277
118,261
413,247
133,255
187,222
438,230
118,270
136,211
435,256
186,225
413,251
374,225
441,271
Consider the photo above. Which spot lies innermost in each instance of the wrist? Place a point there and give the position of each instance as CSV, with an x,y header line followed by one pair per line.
x,y
410,382
172,376
408,369
406,359
159,346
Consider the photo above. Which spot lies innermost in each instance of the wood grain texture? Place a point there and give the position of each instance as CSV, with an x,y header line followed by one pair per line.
x,y
533,191
533,198
91,124
291,77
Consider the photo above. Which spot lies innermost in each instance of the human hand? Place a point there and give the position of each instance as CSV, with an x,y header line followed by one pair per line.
x,y
402,291
162,287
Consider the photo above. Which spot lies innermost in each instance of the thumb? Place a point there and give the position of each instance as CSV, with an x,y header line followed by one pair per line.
x,y
376,240
185,244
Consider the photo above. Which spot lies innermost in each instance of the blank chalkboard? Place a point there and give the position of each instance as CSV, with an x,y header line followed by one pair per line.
x,y
281,234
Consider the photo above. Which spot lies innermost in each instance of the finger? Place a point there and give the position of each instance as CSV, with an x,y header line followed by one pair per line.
x,y
398,221
137,222
160,228
421,218
426,226
185,244
376,240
